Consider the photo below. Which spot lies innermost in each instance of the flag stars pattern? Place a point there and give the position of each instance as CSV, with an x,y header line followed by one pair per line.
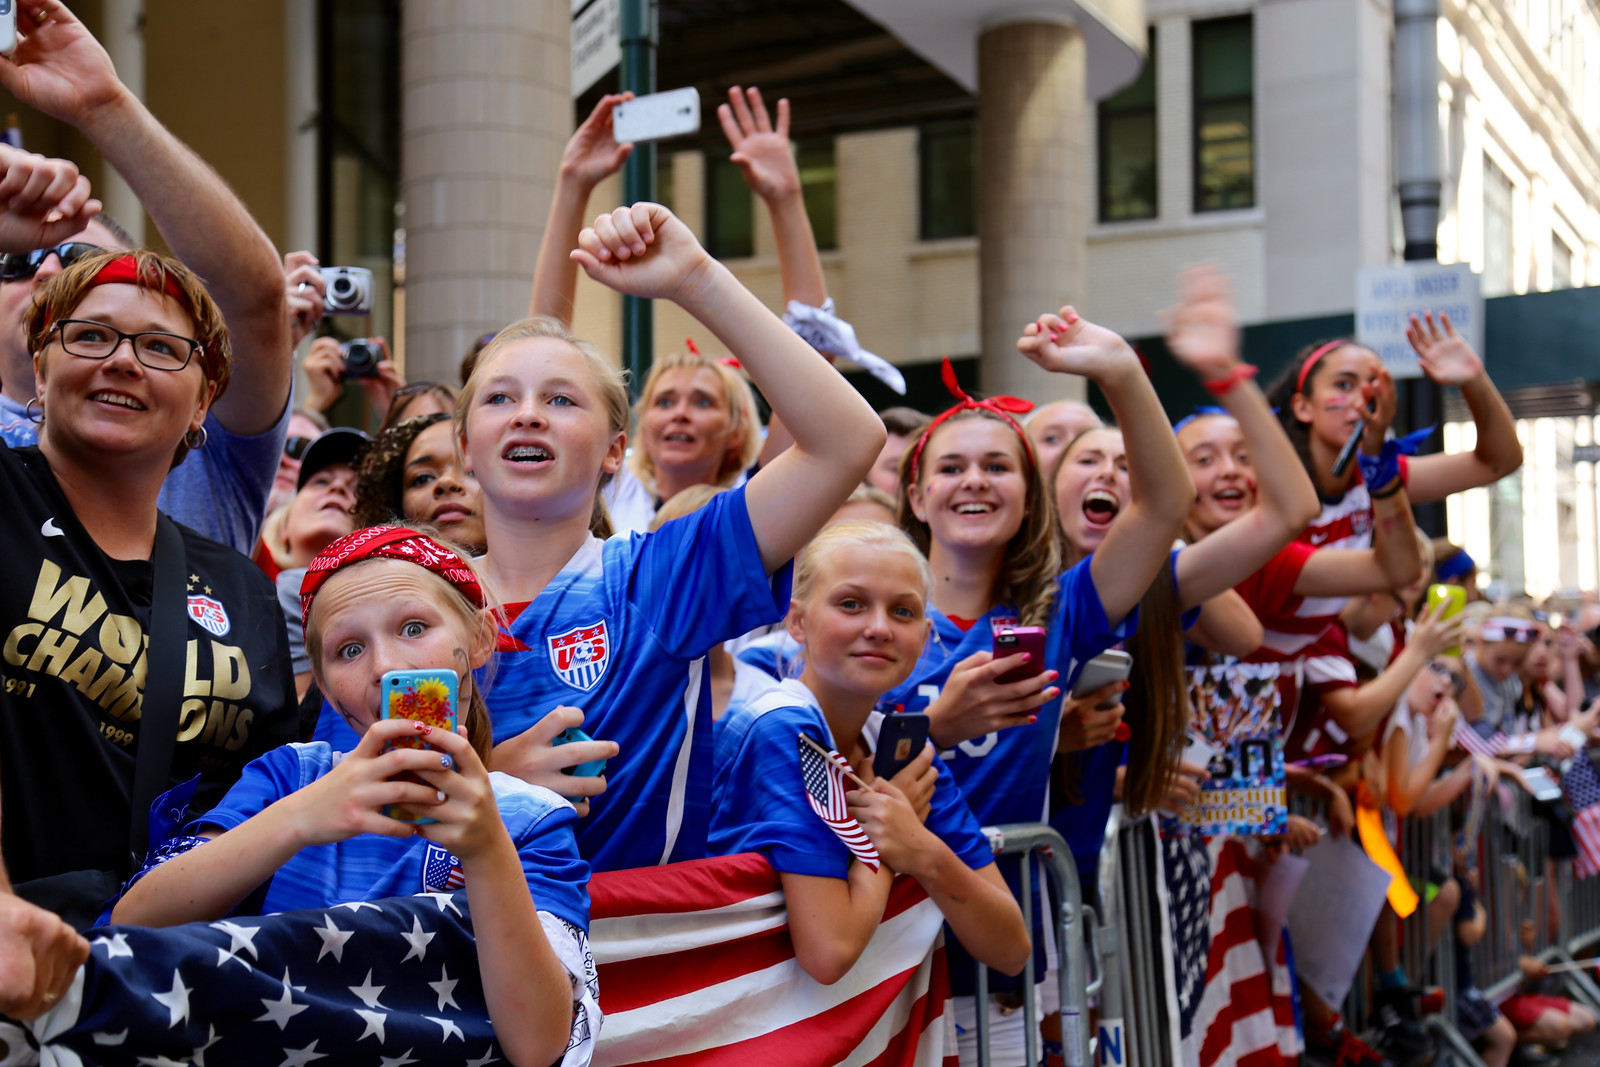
x,y
280,1011
418,939
368,992
116,945
374,1021
333,939
176,1000
445,987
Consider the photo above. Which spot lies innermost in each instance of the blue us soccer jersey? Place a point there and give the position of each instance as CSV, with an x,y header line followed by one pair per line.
x,y
759,798
1005,776
620,633
372,866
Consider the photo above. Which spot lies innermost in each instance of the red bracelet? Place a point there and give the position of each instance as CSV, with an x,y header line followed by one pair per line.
x,y
1241,372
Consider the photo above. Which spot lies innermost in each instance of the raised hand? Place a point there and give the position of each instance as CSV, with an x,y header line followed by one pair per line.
x,y
1445,356
643,250
1070,344
972,703
592,154
1202,332
1435,632
533,757
1380,396
58,66
42,201
761,151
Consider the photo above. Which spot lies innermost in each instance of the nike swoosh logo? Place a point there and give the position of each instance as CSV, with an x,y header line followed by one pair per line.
x,y
50,529
1318,538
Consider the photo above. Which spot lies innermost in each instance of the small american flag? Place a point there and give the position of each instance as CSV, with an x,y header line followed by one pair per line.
x,y
1477,744
1582,785
825,789
441,872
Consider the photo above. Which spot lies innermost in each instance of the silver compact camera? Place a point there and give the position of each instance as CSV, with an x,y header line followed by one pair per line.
x,y
347,290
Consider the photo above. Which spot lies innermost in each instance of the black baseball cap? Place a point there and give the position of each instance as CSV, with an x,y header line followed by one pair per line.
x,y
339,445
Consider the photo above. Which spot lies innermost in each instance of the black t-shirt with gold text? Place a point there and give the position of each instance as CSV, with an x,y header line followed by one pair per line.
x,y
72,674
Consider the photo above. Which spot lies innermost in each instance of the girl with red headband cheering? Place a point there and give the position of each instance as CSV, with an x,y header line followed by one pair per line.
x,y
976,503
1338,388
313,828
129,353
619,626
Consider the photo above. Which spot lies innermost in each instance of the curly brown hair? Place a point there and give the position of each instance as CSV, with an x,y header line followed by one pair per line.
x,y
380,490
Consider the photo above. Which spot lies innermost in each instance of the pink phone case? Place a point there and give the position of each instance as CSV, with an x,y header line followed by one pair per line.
x,y
1013,639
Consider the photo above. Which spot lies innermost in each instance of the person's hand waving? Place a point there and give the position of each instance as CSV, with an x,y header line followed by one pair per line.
x,y
760,149
592,154
58,67
1445,355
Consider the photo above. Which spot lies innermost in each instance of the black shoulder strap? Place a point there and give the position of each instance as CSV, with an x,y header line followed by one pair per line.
x,y
163,682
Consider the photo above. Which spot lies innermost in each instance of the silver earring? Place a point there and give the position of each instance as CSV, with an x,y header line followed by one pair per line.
x,y
27,410
194,441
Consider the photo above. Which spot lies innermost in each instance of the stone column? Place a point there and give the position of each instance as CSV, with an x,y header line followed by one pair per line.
x,y
486,108
1033,144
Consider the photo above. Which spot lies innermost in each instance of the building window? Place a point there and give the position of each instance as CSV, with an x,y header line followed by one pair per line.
x,y
730,221
1127,128
1497,235
1560,264
819,185
1224,114
358,149
948,179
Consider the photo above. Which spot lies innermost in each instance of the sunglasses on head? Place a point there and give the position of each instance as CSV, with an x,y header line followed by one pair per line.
x,y
295,447
17,265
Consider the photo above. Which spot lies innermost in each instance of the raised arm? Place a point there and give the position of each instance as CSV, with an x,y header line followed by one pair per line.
x,y
1362,708
1202,334
60,69
1141,539
763,153
1449,360
1392,562
645,250
592,155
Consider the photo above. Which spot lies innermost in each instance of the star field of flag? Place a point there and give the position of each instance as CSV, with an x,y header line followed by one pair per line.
x,y
1582,785
825,790
1188,871
383,984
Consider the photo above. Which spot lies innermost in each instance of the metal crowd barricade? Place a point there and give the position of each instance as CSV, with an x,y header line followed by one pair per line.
x,y
1038,841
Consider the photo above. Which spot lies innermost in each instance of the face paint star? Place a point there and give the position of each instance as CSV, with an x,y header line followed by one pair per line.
x,y
175,999
418,940
333,939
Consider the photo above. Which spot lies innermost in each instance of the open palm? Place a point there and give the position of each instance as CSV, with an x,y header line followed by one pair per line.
x,y
760,149
58,67
1445,355
1201,331
592,154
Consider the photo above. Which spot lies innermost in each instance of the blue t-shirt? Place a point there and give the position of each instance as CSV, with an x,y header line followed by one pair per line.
x,y
1005,776
219,489
759,799
620,633
372,867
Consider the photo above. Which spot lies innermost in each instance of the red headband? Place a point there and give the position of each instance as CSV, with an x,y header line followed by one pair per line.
x,y
388,542
1000,406
125,270
1311,361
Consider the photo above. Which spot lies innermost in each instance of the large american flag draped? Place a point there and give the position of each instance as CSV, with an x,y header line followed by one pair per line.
x,y
694,959
1582,785
1234,1006
387,983
825,790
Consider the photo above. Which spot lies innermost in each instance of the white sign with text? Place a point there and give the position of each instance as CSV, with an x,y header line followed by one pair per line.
x,y
596,42
1387,297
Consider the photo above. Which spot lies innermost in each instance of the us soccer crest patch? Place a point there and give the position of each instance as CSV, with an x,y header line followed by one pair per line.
x,y
210,614
580,655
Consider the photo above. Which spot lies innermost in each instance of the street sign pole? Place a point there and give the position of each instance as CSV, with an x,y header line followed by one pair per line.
x,y
638,31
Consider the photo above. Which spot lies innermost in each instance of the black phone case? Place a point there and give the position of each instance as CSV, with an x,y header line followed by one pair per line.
x,y
899,741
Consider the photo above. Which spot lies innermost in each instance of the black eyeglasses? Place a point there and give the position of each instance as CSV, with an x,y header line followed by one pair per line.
x,y
295,447
96,340
1443,670
17,265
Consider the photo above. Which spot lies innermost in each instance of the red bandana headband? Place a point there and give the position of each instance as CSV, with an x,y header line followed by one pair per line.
x,y
999,406
124,270
1311,361
388,542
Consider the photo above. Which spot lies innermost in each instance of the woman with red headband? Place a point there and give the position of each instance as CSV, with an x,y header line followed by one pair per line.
x,y
129,354
1337,388
975,502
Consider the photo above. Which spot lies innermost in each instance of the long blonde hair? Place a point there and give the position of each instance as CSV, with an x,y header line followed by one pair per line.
x,y
1032,562
744,421
613,392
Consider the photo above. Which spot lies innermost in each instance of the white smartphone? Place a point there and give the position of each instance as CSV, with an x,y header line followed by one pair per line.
x,y
655,117
8,27
1541,783
1100,672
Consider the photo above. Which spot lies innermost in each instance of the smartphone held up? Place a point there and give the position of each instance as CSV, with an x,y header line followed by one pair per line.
x,y
428,697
